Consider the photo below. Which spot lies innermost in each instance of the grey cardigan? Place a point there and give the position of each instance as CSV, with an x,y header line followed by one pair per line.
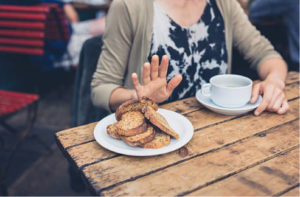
x,y
127,40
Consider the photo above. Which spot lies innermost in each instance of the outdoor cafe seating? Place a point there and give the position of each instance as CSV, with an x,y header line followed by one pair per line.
x,y
26,30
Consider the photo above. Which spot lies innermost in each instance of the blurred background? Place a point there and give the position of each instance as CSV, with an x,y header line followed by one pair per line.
x,y
48,51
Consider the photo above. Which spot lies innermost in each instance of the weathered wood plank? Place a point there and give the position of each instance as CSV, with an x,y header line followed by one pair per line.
x,y
268,178
77,135
83,134
183,106
89,153
203,141
292,91
292,77
194,173
293,192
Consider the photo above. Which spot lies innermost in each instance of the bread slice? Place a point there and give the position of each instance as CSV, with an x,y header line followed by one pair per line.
x,y
160,140
159,121
138,140
112,131
134,105
132,123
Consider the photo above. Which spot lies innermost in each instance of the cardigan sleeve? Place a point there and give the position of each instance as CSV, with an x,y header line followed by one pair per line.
x,y
255,47
112,63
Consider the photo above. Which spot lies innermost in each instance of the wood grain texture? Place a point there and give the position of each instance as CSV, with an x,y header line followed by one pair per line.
x,y
85,154
88,153
83,134
268,178
292,77
216,137
292,91
75,136
183,106
123,175
293,192
203,141
199,171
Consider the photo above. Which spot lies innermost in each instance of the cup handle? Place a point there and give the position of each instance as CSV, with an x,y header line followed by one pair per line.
x,y
205,89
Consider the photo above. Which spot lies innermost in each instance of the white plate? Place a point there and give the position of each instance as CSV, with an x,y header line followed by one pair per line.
x,y
178,122
207,102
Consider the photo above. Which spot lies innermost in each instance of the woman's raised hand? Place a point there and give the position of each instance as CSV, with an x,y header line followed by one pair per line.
x,y
154,83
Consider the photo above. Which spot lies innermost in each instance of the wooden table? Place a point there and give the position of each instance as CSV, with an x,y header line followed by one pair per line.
x,y
228,155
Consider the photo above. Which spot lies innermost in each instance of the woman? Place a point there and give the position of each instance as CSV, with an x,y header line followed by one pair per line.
x,y
197,35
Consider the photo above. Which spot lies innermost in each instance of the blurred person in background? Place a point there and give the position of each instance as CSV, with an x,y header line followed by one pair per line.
x,y
197,36
66,54
81,31
287,12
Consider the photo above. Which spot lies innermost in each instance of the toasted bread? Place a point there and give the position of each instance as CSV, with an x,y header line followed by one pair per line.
x,y
112,131
134,105
132,123
160,140
142,138
159,121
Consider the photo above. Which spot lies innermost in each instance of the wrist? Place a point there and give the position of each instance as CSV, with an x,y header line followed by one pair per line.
x,y
133,94
276,79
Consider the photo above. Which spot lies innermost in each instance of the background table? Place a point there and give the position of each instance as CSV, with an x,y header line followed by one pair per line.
x,y
228,155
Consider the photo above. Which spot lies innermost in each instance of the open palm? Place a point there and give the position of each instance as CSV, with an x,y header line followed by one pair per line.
x,y
154,83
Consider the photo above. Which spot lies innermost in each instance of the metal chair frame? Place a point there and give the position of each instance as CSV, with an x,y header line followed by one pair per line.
x,y
21,136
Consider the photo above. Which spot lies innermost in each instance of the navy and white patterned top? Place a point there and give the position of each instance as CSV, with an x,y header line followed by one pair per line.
x,y
197,52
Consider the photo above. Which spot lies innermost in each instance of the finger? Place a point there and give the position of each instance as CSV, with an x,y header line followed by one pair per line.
x,y
265,101
154,67
163,69
173,83
284,108
277,104
255,92
277,94
146,74
135,81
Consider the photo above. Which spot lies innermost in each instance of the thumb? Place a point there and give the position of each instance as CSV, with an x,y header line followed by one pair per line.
x,y
255,92
173,83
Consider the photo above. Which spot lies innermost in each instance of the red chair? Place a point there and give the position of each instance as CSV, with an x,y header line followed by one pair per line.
x,y
25,29
11,103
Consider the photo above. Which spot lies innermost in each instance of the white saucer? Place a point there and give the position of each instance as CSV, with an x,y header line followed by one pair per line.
x,y
207,102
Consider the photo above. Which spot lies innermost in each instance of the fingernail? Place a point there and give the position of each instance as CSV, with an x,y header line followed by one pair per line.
x,y
256,113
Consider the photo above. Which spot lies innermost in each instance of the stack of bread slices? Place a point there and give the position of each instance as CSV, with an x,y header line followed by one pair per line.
x,y
139,124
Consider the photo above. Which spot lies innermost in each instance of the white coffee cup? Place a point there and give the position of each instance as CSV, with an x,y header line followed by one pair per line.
x,y
228,90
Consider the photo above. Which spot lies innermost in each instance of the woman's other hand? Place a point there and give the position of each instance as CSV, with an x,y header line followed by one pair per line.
x,y
274,99
154,83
